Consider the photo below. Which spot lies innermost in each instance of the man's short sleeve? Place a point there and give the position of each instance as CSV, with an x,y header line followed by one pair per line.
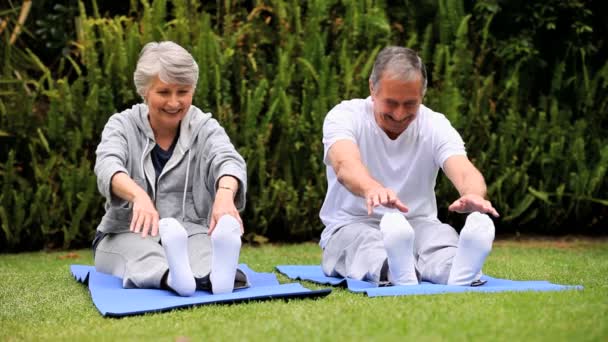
x,y
340,124
447,141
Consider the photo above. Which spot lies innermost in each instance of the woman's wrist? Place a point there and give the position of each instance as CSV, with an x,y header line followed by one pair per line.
x,y
223,187
228,183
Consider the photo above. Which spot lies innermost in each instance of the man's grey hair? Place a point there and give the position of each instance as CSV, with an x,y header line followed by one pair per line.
x,y
398,63
167,60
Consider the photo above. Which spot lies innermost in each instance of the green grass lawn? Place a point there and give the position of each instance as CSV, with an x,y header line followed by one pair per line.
x,y
39,300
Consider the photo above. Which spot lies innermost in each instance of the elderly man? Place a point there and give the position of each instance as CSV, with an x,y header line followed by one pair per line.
x,y
383,154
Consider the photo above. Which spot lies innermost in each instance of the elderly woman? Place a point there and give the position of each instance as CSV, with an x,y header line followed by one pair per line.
x,y
173,183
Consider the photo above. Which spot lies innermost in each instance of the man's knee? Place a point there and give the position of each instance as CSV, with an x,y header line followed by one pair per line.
x,y
435,268
358,253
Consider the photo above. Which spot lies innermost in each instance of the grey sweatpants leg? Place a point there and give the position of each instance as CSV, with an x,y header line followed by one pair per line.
x,y
357,251
141,262
435,245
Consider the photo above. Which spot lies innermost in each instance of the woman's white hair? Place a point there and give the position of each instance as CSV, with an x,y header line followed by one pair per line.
x,y
167,60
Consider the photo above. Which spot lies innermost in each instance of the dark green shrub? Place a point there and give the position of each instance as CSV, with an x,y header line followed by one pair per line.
x,y
534,121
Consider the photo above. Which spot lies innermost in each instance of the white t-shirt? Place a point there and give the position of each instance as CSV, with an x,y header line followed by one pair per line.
x,y
408,165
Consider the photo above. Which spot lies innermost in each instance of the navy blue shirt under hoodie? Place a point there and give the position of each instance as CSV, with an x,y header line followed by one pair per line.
x,y
160,156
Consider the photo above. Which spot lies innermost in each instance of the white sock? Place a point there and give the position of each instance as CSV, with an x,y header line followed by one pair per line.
x,y
474,245
398,236
226,245
175,242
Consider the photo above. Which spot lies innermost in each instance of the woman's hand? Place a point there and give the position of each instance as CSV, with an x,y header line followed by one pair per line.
x,y
224,205
145,217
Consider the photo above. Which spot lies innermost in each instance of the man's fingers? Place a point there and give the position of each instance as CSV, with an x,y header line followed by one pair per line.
x,y
458,206
384,198
371,204
486,207
375,200
452,206
493,212
490,209
402,207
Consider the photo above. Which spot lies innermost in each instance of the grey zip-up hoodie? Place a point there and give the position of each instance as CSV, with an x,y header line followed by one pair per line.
x,y
186,187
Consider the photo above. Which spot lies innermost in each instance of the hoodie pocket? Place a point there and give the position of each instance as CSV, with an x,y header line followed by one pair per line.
x,y
116,220
191,214
170,205
120,214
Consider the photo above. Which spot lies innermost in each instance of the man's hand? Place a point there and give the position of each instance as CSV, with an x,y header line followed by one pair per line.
x,y
224,205
145,217
470,203
385,197
345,159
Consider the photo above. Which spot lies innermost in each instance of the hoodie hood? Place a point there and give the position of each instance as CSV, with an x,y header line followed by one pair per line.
x,y
190,125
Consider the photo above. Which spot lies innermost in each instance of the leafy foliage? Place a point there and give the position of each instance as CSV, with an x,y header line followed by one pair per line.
x,y
534,121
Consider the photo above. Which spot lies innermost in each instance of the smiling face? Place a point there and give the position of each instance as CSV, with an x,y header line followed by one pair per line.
x,y
168,103
396,103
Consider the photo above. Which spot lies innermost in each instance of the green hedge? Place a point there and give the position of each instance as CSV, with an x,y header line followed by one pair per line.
x,y
270,71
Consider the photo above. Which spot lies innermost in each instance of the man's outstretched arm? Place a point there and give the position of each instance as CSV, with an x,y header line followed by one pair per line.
x,y
470,184
345,158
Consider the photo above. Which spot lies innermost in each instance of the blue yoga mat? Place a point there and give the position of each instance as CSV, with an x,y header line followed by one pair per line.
x,y
315,274
112,300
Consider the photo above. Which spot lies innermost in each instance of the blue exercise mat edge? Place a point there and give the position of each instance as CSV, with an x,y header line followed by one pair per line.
x,y
315,274
111,300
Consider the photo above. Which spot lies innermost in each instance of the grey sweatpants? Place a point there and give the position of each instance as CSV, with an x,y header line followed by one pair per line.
x,y
357,251
141,262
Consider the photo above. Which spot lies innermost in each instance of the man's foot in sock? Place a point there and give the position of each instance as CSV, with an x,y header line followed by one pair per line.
x,y
174,239
226,246
474,245
398,237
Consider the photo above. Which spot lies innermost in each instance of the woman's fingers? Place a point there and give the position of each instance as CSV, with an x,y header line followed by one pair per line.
x,y
133,221
144,222
139,223
238,217
145,226
211,225
145,217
